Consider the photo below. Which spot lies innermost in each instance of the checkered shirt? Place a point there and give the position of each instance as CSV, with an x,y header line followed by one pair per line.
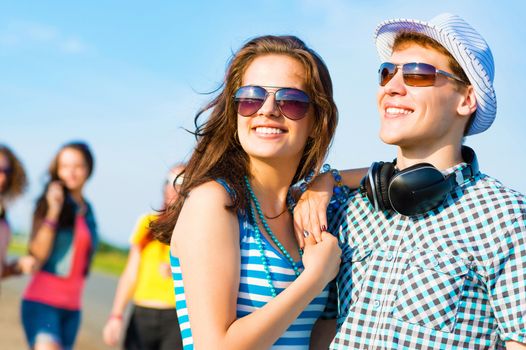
x,y
453,278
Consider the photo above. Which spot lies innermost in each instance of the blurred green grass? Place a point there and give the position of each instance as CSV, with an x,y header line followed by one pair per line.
x,y
108,258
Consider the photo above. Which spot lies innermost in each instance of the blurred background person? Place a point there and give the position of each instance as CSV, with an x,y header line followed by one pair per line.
x,y
63,240
147,278
13,182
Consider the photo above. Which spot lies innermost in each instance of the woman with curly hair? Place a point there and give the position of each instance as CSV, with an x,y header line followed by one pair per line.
x,y
13,182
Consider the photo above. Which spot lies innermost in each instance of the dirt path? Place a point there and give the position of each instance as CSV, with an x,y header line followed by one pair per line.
x,y
97,300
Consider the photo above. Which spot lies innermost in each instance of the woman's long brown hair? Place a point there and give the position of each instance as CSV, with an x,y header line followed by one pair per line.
x,y
218,153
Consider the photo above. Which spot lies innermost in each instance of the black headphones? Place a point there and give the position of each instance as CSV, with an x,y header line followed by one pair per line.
x,y
415,190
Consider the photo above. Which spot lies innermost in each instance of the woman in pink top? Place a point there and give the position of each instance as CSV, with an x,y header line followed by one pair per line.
x,y
63,240
13,182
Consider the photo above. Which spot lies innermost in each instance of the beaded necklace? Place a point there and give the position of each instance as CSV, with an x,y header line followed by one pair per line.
x,y
259,243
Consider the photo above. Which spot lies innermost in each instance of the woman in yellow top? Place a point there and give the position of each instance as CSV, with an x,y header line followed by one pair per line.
x,y
147,277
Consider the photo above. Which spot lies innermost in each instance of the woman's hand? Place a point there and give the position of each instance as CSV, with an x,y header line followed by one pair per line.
x,y
27,264
310,214
111,334
44,229
322,260
165,270
55,198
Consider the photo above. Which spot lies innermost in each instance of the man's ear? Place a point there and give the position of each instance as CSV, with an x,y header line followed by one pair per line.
x,y
468,103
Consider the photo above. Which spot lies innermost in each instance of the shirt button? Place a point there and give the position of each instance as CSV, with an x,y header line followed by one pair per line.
x,y
389,257
376,304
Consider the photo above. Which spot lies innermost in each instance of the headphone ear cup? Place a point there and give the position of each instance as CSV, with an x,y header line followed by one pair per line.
x,y
383,179
368,184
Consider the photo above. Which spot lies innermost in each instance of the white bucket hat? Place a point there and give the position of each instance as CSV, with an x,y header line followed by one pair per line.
x,y
465,44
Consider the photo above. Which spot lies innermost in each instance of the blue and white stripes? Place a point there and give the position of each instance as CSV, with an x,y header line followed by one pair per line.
x,y
180,303
254,291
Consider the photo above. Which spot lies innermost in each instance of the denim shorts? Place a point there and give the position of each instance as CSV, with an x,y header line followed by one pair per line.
x,y
44,323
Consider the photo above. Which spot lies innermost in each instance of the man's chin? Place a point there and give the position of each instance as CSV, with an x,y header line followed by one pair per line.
x,y
390,139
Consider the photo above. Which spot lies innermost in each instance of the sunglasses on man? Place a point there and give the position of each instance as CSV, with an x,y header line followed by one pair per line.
x,y
414,74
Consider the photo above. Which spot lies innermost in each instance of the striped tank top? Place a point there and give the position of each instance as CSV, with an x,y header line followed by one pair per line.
x,y
254,291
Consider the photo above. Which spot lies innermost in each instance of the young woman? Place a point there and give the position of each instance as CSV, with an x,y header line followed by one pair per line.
x,y
147,277
240,279
64,239
13,182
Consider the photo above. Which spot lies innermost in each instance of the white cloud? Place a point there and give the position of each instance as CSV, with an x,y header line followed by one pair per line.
x,y
73,45
28,35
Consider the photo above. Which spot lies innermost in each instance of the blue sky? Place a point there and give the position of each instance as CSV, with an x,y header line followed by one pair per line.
x,y
128,76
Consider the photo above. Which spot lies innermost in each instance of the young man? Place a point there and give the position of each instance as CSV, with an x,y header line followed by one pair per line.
x,y
433,255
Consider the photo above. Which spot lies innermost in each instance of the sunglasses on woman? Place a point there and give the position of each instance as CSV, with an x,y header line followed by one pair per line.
x,y
415,74
292,103
6,171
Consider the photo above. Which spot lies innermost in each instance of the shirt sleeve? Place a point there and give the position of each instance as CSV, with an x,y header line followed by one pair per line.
x,y
141,229
331,309
508,283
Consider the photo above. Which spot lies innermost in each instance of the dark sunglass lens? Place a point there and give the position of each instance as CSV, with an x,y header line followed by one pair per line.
x,y
249,99
419,74
294,109
293,103
247,107
386,73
